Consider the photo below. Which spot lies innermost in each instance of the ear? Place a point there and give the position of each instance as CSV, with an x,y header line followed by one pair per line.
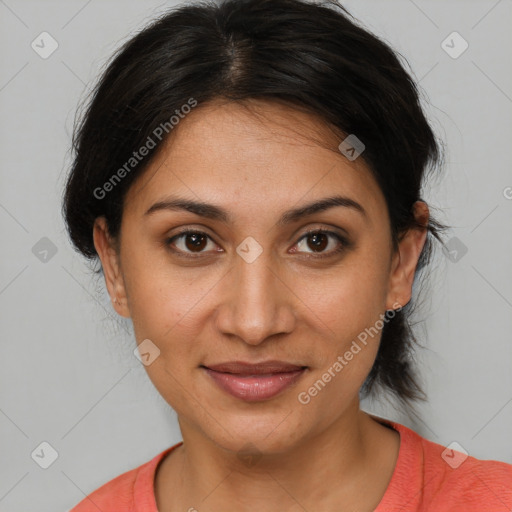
x,y
405,260
109,257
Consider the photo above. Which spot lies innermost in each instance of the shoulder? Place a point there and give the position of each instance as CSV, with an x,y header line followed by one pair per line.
x,y
430,476
455,478
119,489
129,492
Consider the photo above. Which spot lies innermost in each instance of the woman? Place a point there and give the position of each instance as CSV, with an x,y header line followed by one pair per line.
x,y
249,174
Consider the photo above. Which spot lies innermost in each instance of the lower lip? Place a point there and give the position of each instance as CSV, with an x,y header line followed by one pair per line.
x,y
254,388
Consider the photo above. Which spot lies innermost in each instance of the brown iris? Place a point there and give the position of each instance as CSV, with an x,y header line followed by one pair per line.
x,y
197,241
320,241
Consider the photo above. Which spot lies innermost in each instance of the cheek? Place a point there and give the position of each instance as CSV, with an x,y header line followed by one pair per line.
x,y
350,298
164,298
345,356
347,306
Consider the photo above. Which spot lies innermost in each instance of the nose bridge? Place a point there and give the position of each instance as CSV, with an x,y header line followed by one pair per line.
x,y
256,307
254,282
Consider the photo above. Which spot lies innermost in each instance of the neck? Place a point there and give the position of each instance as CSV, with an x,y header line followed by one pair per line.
x,y
322,471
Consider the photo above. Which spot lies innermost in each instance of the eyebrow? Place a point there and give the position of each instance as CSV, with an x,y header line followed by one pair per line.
x,y
214,212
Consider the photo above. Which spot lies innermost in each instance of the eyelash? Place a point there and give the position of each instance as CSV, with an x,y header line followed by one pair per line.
x,y
343,243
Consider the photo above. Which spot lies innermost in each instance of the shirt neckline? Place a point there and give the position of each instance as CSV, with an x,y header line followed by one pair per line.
x,y
402,471
144,498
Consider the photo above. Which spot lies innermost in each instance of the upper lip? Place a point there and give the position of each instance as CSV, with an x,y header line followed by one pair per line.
x,y
243,368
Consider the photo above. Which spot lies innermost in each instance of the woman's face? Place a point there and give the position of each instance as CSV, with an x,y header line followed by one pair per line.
x,y
253,286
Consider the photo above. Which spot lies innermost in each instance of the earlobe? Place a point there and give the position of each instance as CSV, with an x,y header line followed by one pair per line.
x,y
111,267
406,258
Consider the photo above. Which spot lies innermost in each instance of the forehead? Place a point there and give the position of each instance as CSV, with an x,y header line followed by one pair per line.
x,y
253,154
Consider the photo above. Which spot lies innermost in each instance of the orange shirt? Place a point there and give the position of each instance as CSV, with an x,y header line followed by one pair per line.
x,y
427,477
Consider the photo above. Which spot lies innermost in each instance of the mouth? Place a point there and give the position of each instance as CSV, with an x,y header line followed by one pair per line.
x,y
254,382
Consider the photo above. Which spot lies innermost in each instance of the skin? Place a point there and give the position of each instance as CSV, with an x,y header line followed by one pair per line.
x,y
285,305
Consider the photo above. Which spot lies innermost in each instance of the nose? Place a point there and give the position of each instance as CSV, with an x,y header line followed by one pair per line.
x,y
256,302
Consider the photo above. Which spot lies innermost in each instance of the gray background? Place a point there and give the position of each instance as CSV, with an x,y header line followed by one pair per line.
x,y
67,372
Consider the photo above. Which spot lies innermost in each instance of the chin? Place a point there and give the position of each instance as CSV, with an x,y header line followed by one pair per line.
x,y
271,431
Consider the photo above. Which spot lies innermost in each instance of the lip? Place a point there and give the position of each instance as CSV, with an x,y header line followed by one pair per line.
x,y
254,382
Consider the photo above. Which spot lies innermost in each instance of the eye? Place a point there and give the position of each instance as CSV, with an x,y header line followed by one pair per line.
x,y
190,242
319,240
